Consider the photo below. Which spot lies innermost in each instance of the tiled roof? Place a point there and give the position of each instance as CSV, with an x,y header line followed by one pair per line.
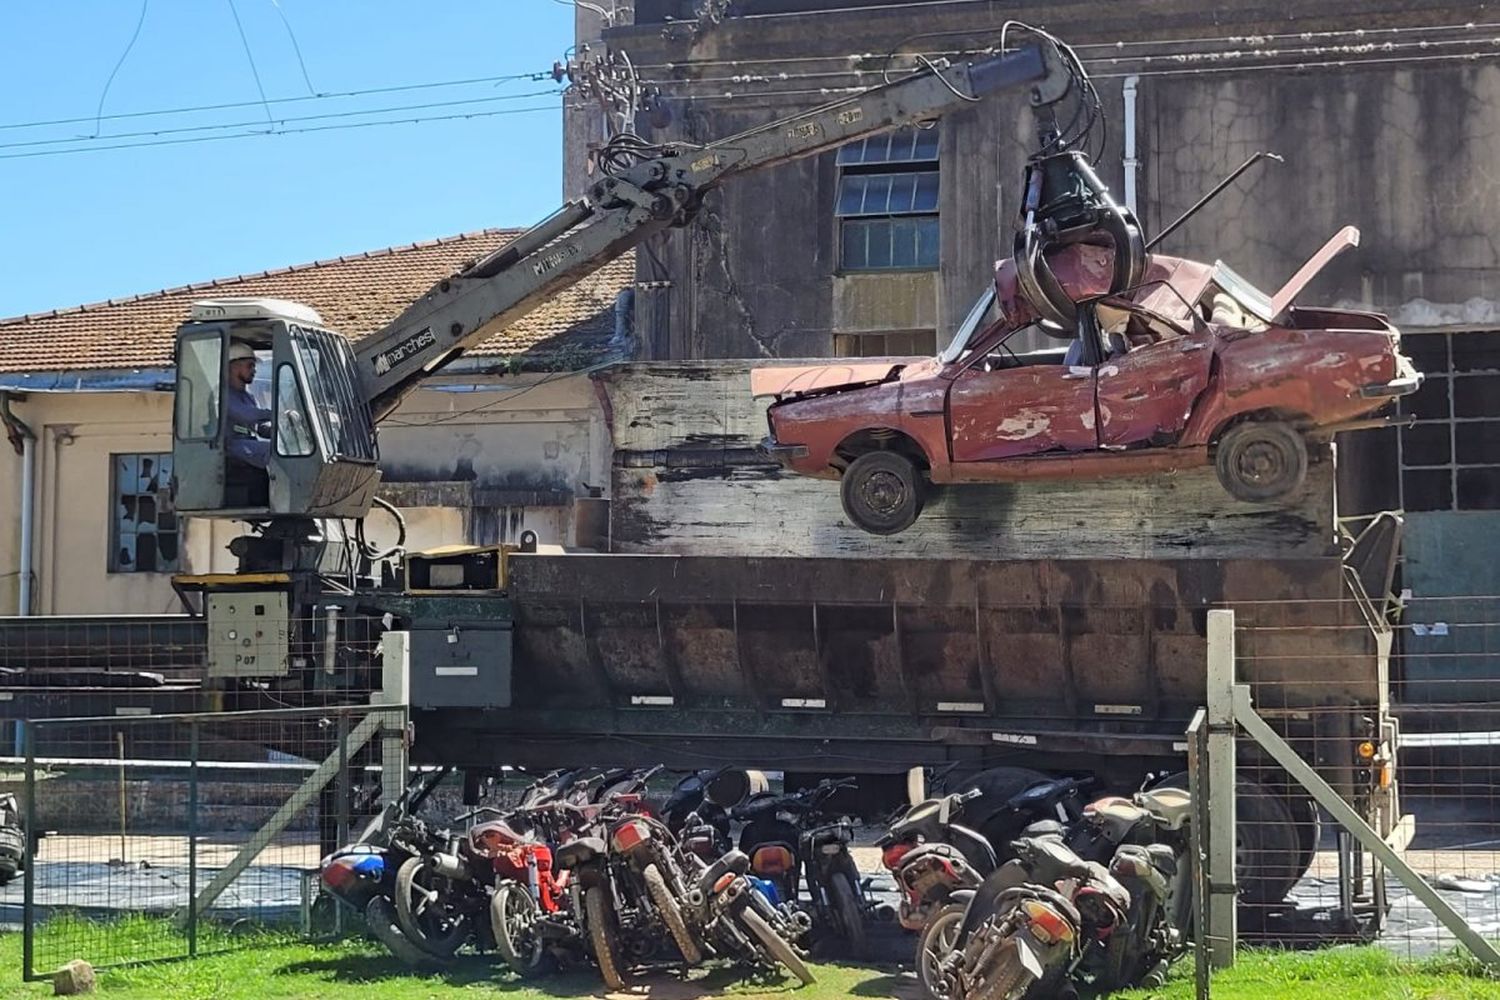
x,y
355,295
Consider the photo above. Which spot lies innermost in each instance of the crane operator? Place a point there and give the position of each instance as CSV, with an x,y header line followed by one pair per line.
x,y
249,422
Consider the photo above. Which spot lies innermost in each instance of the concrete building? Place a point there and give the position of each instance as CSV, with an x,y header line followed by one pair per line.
x,y
1384,111
503,441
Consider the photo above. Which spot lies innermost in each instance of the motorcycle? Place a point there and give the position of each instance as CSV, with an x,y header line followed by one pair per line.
x,y
742,916
443,895
1146,843
620,890
932,857
1030,924
789,835
12,839
531,915
362,874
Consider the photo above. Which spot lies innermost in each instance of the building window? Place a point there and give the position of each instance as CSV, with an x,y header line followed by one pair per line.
x,y
1450,457
897,344
144,532
888,202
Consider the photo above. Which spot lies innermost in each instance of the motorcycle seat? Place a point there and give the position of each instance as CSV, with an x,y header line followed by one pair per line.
x,y
1172,807
1115,816
579,852
1051,861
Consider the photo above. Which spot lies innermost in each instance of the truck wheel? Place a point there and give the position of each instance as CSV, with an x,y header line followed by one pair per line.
x,y
882,492
1261,460
1269,853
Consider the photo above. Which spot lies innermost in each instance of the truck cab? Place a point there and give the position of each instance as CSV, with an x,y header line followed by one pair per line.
x,y
311,452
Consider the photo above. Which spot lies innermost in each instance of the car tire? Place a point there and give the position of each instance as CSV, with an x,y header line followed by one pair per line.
x,y
1261,460
882,492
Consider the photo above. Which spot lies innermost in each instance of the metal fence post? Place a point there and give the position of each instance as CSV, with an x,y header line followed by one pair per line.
x,y
28,903
341,786
1223,929
192,818
1197,733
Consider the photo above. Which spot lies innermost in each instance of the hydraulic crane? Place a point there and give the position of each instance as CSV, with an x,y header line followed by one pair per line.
x,y
318,436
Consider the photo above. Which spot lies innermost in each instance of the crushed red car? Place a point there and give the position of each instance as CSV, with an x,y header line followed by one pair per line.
x,y
1191,366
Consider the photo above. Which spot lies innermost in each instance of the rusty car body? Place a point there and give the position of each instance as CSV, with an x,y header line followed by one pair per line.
x,y
1191,366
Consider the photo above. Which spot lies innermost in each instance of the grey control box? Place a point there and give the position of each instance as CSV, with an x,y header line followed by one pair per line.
x,y
248,634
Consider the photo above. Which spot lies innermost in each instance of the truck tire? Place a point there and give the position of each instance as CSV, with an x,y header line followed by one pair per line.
x,y
1261,460
602,936
671,914
779,947
987,813
882,492
1269,854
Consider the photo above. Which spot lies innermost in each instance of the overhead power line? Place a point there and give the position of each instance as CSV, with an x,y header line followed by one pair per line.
x,y
85,141
334,95
95,148
120,62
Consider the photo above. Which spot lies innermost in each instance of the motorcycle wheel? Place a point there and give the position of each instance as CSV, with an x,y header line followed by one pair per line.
x,y
513,914
602,936
671,914
431,932
776,945
936,944
380,918
1011,979
848,914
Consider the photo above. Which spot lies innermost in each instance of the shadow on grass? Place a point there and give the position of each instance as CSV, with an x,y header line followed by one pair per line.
x,y
659,983
891,986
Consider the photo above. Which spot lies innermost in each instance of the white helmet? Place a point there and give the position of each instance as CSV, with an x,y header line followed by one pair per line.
x,y
241,351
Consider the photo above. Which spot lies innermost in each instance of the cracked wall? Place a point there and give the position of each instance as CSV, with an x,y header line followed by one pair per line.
x,y
1405,154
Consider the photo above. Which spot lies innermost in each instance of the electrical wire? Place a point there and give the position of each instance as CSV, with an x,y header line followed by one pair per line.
x,y
281,121
552,108
140,21
512,397
195,109
250,58
312,91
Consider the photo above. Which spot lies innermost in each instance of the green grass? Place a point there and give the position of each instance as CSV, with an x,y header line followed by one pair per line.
x,y
270,966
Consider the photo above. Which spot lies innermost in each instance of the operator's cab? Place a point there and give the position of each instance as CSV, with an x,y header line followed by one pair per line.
x,y
296,442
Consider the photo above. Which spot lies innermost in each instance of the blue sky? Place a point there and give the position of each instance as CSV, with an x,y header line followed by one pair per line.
x,y
84,226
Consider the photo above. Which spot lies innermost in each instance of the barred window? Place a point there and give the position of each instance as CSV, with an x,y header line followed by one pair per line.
x,y
144,532
1450,457
888,202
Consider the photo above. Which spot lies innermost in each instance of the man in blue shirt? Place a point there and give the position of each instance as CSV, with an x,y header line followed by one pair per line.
x,y
249,422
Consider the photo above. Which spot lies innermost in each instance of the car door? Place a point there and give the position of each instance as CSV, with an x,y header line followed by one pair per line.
x,y
1148,393
1020,411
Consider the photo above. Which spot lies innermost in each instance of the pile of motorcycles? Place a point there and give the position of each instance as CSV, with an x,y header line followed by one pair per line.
x,y
589,868
1098,897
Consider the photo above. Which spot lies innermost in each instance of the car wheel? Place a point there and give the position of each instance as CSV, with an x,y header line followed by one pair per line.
x,y
882,492
1261,460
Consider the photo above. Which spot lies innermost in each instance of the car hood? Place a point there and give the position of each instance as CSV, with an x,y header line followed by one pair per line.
x,y
799,380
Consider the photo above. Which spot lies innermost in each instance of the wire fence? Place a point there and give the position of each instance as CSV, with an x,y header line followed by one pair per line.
x,y
139,824
1391,706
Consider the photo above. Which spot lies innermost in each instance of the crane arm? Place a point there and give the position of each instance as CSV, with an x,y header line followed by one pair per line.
x,y
657,187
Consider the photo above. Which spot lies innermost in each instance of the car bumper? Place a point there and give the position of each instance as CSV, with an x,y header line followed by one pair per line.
x,y
783,454
1407,381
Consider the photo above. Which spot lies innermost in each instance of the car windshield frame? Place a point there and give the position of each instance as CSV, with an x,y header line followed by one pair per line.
x,y
972,324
